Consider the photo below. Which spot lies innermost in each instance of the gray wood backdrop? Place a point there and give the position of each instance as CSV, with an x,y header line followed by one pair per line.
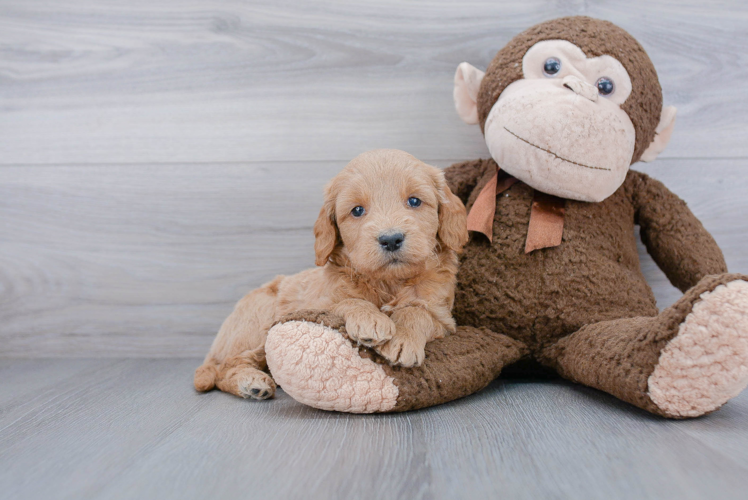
x,y
159,159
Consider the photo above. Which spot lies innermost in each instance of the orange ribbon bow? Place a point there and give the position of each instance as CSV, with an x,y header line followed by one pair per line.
x,y
546,215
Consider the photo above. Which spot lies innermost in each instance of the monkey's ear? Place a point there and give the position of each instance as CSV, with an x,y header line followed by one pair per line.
x,y
662,134
325,231
467,83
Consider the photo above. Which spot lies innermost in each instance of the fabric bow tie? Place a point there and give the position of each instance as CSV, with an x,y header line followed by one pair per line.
x,y
546,215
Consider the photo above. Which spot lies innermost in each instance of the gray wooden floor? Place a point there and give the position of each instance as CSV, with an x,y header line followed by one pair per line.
x,y
124,428
159,159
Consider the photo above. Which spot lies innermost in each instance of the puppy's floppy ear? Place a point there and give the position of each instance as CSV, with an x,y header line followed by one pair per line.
x,y
325,229
452,215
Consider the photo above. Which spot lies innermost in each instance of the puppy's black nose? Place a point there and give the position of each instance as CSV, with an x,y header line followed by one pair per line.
x,y
391,242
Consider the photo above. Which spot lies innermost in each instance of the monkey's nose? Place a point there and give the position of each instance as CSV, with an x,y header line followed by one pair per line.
x,y
580,87
391,242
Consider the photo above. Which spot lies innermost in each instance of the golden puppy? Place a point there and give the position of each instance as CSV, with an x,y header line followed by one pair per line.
x,y
386,245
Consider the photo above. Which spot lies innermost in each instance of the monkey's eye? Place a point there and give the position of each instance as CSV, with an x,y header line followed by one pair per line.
x,y
605,86
358,211
414,202
551,67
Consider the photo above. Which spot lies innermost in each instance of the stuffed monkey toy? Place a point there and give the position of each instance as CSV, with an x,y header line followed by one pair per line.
x,y
551,275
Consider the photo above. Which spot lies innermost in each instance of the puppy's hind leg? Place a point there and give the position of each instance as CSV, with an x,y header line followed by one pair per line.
x,y
236,361
244,375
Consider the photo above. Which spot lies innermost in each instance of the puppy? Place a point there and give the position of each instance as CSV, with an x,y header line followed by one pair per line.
x,y
386,245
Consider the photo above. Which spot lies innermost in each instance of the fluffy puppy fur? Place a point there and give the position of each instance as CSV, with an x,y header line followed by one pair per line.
x,y
386,245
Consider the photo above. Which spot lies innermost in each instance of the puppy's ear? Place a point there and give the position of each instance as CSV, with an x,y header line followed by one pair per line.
x,y
452,215
325,229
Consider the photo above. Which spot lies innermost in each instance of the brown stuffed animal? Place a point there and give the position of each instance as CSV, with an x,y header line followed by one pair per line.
x,y
551,275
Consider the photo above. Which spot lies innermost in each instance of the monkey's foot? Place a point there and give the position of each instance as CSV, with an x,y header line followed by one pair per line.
x,y
316,365
706,363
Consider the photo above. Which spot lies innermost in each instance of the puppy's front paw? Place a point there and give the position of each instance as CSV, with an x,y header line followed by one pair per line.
x,y
404,351
369,328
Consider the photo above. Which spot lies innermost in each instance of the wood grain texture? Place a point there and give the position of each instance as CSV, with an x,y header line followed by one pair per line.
x,y
148,261
136,429
85,81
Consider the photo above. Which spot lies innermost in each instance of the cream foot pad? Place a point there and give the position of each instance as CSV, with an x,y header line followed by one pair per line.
x,y
318,367
706,364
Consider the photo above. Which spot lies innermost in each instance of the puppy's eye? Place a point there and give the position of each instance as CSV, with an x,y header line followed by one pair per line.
x,y
551,67
358,211
414,202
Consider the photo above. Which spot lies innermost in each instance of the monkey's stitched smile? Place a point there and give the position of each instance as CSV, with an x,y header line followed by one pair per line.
x,y
554,154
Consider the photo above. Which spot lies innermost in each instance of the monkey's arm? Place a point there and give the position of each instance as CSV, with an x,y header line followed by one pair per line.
x,y
464,176
674,237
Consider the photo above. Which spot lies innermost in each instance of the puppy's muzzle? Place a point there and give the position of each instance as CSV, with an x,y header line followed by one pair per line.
x,y
391,242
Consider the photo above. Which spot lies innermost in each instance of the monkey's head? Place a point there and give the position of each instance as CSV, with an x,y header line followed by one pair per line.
x,y
567,106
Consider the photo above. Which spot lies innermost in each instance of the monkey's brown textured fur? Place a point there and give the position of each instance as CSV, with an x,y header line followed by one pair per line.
x,y
582,309
593,276
470,358
596,38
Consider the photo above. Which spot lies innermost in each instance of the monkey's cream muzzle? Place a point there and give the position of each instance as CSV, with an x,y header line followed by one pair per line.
x,y
560,142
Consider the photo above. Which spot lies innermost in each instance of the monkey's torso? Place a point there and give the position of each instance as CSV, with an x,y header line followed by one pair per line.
x,y
537,298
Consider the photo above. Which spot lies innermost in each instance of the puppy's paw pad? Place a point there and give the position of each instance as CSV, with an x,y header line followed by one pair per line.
x,y
259,393
257,386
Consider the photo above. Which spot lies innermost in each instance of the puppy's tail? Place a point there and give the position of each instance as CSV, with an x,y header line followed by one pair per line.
x,y
205,376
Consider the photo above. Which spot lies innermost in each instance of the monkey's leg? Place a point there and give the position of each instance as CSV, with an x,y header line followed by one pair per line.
x,y
686,362
311,358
